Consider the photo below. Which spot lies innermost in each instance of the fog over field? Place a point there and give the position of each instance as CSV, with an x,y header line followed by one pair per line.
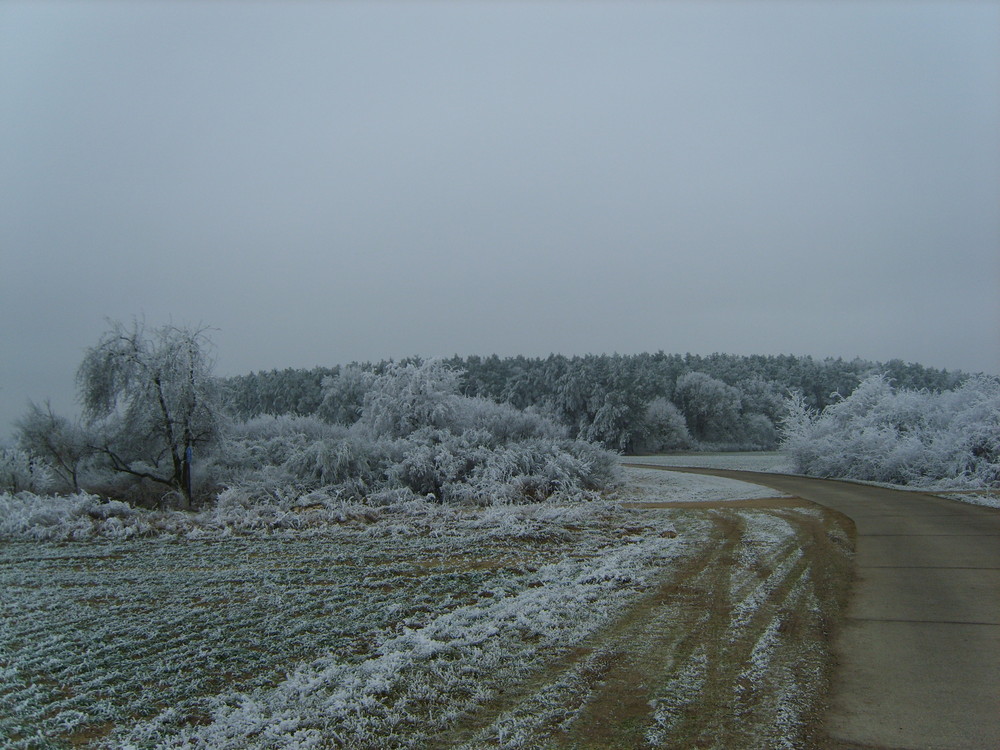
x,y
331,182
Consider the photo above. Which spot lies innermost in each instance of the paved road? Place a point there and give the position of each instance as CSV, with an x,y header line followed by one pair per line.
x,y
919,654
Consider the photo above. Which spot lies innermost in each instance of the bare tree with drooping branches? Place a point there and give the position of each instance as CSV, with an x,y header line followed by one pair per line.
x,y
62,444
151,399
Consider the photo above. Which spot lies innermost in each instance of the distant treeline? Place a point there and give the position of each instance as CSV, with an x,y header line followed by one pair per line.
x,y
630,403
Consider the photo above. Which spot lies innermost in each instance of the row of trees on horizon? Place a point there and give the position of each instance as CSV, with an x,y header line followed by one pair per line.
x,y
157,422
643,403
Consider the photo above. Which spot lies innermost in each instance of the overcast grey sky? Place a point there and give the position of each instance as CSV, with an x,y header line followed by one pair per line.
x,y
328,182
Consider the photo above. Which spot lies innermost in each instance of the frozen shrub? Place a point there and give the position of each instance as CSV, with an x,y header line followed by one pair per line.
x,y
416,436
22,472
333,461
901,436
503,422
80,516
269,453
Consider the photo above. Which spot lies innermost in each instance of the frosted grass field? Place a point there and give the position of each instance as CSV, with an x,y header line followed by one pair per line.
x,y
747,461
654,485
371,634
364,628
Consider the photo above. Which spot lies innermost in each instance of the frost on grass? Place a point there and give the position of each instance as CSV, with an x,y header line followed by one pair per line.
x,y
375,632
681,692
739,461
656,485
421,679
80,517
756,685
726,654
761,546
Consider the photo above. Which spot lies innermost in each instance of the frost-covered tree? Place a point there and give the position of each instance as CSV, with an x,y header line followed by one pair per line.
x,y
406,398
150,399
344,394
663,429
288,391
614,424
711,408
757,432
62,444
763,397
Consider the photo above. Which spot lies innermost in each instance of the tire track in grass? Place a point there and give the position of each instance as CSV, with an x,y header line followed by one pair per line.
x,y
605,672
611,721
770,563
774,665
729,650
541,699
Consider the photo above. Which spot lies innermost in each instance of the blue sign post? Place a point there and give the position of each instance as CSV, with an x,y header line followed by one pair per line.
x,y
188,457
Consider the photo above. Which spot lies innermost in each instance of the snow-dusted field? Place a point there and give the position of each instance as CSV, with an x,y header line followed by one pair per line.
x,y
373,634
397,627
654,485
748,461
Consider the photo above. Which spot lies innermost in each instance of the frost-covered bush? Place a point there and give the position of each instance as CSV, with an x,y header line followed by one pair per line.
x,y
416,437
22,472
884,434
503,422
268,456
81,516
352,460
469,467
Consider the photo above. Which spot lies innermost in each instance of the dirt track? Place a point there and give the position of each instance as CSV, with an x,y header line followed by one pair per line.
x,y
728,650
919,651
